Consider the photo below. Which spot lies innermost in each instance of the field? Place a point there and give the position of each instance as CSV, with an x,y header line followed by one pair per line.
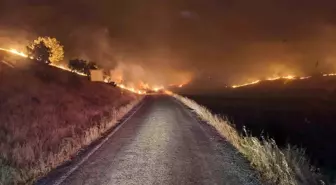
x,y
47,115
300,112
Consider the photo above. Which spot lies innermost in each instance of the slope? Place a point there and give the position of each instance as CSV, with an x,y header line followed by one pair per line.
x,y
47,115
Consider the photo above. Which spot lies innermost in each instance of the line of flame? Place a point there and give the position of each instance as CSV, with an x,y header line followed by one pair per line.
x,y
288,77
14,51
157,89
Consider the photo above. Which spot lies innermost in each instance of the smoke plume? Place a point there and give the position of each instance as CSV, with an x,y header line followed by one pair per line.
x,y
213,43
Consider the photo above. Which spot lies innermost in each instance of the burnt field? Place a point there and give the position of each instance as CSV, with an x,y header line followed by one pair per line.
x,y
299,112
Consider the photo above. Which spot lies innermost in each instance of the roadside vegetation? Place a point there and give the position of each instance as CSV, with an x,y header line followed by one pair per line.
x,y
47,115
287,166
82,66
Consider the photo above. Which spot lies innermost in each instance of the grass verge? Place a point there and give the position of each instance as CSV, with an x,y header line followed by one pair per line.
x,y
47,115
23,163
287,166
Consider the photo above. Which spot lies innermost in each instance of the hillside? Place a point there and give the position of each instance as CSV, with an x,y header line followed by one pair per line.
x,y
299,112
47,115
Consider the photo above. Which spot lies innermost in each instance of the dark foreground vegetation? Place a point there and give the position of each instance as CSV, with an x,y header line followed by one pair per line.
x,y
47,115
300,112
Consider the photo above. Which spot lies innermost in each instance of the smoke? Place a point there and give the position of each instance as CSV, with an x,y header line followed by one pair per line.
x,y
213,43
15,38
94,45
134,74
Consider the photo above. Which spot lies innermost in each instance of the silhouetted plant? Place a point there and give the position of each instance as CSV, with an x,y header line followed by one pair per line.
x,y
82,66
56,50
40,52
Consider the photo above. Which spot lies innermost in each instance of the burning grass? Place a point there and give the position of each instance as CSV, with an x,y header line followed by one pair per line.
x,y
48,115
287,166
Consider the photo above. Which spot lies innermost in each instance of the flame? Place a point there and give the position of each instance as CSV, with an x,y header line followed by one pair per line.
x,y
331,74
168,92
143,87
183,84
147,87
59,66
287,77
179,85
246,84
16,52
132,89
304,77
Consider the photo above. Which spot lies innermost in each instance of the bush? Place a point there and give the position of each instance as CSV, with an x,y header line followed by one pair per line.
x,y
40,52
82,66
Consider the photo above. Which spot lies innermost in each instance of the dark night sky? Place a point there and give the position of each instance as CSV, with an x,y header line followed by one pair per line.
x,y
165,41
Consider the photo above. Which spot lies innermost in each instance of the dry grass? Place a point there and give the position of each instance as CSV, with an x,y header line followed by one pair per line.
x,y
277,166
48,115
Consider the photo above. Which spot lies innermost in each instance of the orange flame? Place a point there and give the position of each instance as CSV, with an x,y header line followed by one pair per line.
x,y
143,87
246,84
287,77
16,52
331,74
59,66
132,89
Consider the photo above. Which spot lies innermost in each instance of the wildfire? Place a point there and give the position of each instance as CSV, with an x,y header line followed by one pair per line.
x,y
304,77
143,87
246,84
16,52
67,69
331,74
183,84
158,88
179,85
132,89
288,77
147,87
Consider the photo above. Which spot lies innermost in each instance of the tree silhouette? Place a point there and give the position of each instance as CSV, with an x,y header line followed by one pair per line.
x,y
40,52
82,66
55,48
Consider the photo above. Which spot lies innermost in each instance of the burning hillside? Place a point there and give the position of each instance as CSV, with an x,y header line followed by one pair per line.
x,y
139,88
39,101
287,77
